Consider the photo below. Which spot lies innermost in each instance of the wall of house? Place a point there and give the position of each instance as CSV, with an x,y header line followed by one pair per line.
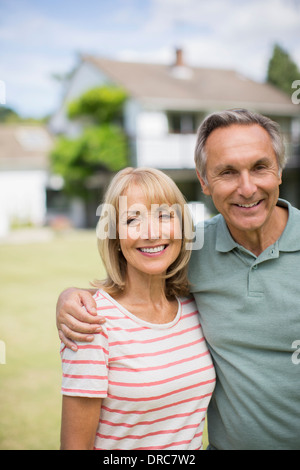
x,y
156,147
22,199
86,77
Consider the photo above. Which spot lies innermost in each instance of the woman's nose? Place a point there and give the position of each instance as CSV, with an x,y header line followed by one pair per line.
x,y
150,228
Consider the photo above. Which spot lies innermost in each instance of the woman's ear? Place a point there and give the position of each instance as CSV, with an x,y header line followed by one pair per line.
x,y
204,185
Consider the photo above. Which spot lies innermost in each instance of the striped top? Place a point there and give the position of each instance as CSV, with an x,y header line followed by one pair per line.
x,y
155,380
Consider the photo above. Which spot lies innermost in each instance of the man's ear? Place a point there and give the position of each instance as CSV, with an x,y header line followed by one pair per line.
x,y
204,185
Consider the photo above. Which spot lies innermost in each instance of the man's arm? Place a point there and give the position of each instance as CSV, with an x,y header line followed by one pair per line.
x,y
76,316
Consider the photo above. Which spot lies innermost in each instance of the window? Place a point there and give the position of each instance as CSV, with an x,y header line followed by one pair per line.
x,y
183,123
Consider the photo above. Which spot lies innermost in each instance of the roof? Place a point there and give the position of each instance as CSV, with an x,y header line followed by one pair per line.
x,y
180,87
24,147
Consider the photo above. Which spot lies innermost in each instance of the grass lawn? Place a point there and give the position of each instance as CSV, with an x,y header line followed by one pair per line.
x,y
32,276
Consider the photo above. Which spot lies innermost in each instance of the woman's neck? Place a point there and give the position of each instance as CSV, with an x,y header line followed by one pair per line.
x,y
145,296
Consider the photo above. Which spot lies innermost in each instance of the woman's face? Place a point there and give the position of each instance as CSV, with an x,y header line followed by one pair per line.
x,y
150,235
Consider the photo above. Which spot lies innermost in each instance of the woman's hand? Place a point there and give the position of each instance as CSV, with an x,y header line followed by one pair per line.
x,y
76,317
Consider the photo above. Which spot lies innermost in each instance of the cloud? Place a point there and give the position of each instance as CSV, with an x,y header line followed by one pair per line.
x,y
38,39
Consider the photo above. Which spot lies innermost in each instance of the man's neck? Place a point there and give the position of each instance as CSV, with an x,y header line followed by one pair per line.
x,y
257,241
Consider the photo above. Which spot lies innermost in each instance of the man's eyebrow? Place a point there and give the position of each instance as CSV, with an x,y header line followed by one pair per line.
x,y
222,167
262,161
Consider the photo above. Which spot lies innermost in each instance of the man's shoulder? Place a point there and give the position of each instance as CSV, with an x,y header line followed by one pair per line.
x,y
206,231
211,224
209,227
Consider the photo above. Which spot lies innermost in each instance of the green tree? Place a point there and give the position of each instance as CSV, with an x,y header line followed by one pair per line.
x,y
282,70
102,146
102,105
99,148
8,115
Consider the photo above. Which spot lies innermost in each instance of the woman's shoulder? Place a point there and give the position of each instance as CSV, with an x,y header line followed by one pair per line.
x,y
103,299
107,305
188,302
186,298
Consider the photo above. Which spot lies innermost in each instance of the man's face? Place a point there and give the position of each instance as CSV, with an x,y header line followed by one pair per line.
x,y
243,177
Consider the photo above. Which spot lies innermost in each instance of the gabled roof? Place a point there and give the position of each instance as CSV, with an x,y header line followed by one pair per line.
x,y
24,147
181,87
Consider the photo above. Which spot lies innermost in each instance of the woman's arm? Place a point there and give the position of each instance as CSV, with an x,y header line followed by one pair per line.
x,y
80,418
76,316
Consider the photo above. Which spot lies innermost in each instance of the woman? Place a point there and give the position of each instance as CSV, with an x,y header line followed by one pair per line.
x,y
148,375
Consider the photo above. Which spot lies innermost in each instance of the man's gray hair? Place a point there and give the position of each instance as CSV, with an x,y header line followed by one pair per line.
x,y
242,117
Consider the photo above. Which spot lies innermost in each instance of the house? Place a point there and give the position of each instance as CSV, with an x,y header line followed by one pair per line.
x,y
24,176
167,103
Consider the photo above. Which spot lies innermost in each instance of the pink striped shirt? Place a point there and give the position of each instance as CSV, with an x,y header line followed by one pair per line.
x,y
155,380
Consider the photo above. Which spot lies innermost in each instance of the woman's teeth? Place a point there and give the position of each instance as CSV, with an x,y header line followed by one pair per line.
x,y
153,250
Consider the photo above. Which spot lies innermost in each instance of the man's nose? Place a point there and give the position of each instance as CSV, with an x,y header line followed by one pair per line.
x,y
247,185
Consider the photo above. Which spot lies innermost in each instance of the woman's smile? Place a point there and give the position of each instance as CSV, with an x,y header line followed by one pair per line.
x,y
153,250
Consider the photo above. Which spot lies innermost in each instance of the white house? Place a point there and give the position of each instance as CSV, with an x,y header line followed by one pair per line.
x,y
23,175
167,103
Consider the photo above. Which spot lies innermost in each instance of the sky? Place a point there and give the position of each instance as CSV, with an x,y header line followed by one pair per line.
x,y
41,39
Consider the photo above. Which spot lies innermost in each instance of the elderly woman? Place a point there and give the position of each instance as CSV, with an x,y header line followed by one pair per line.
x,y
146,379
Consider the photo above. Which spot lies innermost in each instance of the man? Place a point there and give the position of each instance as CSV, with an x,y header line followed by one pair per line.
x,y
245,281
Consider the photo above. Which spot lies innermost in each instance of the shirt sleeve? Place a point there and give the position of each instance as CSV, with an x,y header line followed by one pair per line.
x,y
85,372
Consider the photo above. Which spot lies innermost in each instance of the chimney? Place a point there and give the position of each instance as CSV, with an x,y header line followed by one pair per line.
x,y
179,58
179,69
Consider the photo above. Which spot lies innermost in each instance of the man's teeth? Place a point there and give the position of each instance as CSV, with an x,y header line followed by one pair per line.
x,y
153,250
248,205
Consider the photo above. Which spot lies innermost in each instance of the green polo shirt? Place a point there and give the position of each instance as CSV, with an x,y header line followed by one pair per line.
x,y
250,315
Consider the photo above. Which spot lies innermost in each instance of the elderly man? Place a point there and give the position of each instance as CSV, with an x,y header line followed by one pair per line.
x,y
245,281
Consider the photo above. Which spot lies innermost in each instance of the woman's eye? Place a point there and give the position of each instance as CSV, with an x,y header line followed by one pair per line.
x,y
133,221
165,215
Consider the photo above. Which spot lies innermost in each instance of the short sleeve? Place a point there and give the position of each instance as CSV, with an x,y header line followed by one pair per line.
x,y
85,372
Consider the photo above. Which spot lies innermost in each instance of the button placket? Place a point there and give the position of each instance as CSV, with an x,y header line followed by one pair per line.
x,y
254,284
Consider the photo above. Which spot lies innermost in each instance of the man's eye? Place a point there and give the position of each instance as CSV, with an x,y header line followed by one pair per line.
x,y
260,167
227,172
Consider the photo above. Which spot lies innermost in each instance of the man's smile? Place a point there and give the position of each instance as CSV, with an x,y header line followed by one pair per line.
x,y
247,206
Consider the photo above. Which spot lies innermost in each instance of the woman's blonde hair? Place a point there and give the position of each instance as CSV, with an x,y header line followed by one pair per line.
x,y
158,189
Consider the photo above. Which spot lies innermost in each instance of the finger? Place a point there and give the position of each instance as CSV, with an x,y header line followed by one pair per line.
x,y
67,342
86,317
69,338
88,302
77,326
79,312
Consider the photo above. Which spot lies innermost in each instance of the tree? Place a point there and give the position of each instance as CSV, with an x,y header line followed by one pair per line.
x,y
8,115
99,148
102,105
102,145
282,71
